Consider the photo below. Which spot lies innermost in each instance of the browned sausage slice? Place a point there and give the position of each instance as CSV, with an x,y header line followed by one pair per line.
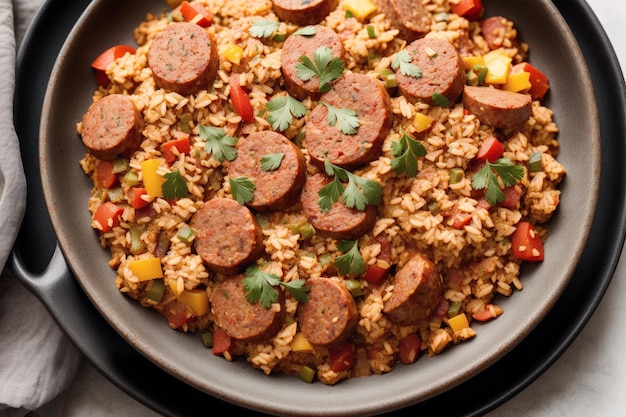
x,y
410,17
496,30
183,58
112,127
242,320
443,71
340,222
330,316
276,189
297,45
303,12
417,290
498,108
228,235
370,100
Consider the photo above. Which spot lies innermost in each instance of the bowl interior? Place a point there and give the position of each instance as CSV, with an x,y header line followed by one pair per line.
x,y
67,189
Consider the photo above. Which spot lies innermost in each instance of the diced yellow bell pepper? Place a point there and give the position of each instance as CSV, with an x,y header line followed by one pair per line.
x,y
152,181
472,61
421,122
518,81
458,322
146,269
498,65
197,299
173,283
300,344
233,53
359,8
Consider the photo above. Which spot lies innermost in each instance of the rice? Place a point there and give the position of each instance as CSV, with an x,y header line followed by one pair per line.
x,y
475,261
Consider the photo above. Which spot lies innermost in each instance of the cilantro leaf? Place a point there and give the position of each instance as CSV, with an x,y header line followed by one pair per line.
x,y
406,151
242,188
487,179
263,28
306,31
282,110
218,143
174,186
259,286
347,119
351,262
440,100
326,67
271,161
402,61
358,194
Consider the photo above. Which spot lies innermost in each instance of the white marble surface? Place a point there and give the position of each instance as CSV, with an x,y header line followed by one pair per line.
x,y
589,379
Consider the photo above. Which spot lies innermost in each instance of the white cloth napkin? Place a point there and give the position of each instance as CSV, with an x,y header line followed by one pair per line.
x,y
37,360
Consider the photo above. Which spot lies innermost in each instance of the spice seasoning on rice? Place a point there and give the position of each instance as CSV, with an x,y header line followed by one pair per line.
x,y
386,242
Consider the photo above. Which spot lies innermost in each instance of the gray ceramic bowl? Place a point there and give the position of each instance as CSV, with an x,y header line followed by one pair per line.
x,y
66,190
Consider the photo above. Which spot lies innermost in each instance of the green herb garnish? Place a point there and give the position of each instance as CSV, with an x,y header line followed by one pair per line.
x,y
326,67
351,262
487,179
406,151
357,194
242,188
306,31
347,119
174,186
271,161
282,110
440,100
258,285
218,143
263,28
402,61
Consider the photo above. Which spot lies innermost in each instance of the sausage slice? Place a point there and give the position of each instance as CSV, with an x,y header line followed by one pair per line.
x,y
498,108
330,316
183,58
296,46
276,189
370,100
417,289
410,17
340,222
443,71
228,235
111,128
303,12
242,320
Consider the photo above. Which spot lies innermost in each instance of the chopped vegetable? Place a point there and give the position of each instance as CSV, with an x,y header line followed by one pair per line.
x,y
358,194
131,178
301,344
376,273
354,286
491,311
490,150
271,161
406,151
402,63
486,178
422,122
371,31
174,186
108,216
498,65
517,82
240,99
307,374
196,299
137,245
120,165
146,269
511,197
105,176
456,175
526,243
218,143
326,67
341,357
458,322
346,118
222,342
263,28
469,9
196,13
106,58
434,207
173,148
242,188
538,80
359,8
282,110
233,53
135,197
186,234
534,162
259,287
156,291
409,348
152,180
472,61
207,339
351,262
453,309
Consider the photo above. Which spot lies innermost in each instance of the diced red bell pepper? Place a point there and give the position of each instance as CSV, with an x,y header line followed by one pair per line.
x,y
484,315
182,145
241,101
134,197
222,342
108,216
526,243
490,150
375,274
469,9
409,348
195,12
341,357
538,80
105,59
511,198
105,176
